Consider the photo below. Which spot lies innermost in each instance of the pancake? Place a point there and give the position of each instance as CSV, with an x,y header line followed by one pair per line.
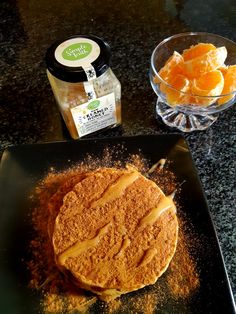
x,y
115,232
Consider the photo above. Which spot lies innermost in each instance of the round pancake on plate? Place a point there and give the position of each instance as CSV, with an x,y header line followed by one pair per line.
x,y
116,232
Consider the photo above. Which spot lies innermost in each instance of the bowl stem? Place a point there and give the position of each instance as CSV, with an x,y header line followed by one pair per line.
x,y
185,122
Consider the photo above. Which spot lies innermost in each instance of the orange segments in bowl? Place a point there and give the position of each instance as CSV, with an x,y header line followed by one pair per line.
x,y
198,76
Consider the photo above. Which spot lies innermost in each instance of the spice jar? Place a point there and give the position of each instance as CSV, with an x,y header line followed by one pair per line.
x,y
86,90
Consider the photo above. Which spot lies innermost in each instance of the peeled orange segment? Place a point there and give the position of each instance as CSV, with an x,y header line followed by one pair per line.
x,y
176,96
209,84
197,50
181,83
156,80
207,62
229,85
164,88
172,67
178,82
202,101
223,69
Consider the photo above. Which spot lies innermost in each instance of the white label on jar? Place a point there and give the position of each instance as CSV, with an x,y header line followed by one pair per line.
x,y
90,72
77,52
95,115
89,89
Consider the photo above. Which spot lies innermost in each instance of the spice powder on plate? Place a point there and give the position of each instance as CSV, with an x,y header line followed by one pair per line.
x,y
59,295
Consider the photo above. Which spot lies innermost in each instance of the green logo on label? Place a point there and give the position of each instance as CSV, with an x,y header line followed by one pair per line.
x,y
77,51
93,105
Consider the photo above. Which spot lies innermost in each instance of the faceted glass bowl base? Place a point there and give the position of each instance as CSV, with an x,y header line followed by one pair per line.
x,y
184,121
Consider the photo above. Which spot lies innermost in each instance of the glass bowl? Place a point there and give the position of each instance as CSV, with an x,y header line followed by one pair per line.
x,y
191,111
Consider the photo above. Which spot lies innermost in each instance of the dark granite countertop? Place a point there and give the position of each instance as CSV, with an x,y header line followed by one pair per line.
x,y
28,111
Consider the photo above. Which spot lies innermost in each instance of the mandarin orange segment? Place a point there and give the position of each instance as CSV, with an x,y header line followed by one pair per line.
x,y
202,101
209,84
172,67
176,96
197,50
164,88
229,85
178,82
223,69
207,62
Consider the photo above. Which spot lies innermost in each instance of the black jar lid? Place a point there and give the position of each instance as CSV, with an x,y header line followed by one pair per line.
x,y
78,58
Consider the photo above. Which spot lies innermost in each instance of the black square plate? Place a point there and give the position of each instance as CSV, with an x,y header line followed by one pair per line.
x,y
23,166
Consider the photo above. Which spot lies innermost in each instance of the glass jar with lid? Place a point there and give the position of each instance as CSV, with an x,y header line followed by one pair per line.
x,y
86,90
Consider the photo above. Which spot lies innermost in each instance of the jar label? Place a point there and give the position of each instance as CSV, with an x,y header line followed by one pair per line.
x,y
88,87
95,115
77,52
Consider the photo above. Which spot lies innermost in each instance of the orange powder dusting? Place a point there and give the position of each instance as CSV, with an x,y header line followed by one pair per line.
x,y
66,303
149,301
139,162
165,179
59,296
79,302
182,278
53,303
147,304
114,305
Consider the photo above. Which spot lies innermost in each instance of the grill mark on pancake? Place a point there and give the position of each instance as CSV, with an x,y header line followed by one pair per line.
x,y
148,256
80,247
126,242
164,204
116,189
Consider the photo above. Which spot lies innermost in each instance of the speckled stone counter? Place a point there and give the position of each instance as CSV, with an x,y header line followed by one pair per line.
x,y
28,113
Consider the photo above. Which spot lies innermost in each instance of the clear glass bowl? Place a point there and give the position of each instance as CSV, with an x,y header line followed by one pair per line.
x,y
199,112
